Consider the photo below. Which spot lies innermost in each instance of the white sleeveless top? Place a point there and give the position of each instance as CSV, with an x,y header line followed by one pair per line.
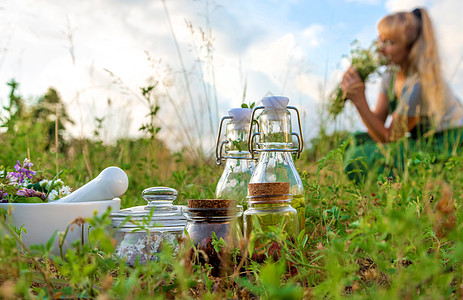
x,y
411,104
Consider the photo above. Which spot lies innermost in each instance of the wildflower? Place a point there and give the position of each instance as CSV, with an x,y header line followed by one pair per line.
x,y
64,191
53,195
31,193
21,182
3,197
51,184
25,192
366,62
45,183
22,173
58,182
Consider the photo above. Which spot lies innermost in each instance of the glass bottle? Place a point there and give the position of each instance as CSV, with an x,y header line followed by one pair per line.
x,y
141,230
275,148
239,165
269,207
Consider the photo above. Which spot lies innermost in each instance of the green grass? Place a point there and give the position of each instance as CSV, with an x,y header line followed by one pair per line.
x,y
389,238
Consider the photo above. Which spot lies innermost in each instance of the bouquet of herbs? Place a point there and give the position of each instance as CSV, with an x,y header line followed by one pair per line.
x,y
23,185
366,62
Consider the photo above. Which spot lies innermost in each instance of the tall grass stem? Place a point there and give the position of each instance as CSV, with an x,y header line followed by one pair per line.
x,y
57,139
185,76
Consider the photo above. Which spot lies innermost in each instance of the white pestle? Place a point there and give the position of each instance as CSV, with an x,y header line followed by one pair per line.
x,y
110,183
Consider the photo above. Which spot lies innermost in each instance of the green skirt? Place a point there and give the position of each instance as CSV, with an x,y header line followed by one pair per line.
x,y
364,157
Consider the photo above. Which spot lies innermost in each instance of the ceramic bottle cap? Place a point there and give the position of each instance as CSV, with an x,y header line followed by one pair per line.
x,y
241,117
275,102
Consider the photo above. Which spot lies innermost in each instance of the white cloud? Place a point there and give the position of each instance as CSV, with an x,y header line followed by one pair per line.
x,y
257,52
311,85
272,58
255,43
313,34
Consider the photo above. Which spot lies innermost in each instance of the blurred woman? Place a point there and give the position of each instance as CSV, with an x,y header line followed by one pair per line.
x,y
421,106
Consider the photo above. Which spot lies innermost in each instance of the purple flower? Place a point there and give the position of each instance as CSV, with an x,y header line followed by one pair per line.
x,y
31,193
26,192
22,171
3,197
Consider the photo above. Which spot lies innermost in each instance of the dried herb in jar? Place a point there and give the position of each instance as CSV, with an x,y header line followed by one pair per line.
x,y
213,229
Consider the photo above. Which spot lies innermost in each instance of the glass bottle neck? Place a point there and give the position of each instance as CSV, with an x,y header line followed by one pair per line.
x,y
278,166
276,145
237,146
275,129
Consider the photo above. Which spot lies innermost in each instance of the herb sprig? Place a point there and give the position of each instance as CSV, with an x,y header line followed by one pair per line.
x,y
24,186
366,62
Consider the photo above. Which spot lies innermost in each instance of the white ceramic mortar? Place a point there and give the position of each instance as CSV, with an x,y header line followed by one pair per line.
x,y
42,219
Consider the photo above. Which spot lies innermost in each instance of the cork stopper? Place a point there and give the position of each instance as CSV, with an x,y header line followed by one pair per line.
x,y
268,188
211,203
269,192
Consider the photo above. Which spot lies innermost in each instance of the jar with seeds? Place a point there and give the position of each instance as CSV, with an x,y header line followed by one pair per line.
x,y
141,231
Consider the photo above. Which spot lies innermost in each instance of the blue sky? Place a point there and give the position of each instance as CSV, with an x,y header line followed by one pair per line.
x,y
94,50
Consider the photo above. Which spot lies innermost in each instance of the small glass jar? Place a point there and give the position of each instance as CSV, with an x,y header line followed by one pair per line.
x,y
142,230
268,206
206,217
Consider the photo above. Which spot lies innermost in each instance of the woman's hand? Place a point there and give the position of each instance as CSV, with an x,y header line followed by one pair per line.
x,y
353,86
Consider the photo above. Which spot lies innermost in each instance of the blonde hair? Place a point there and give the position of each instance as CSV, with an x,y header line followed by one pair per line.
x,y
415,30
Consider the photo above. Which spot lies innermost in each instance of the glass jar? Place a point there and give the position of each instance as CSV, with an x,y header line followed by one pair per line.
x,y
270,205
209,217
239,166
142,230
276,150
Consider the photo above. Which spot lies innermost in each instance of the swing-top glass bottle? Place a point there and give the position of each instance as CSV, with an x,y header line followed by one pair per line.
x,y
275,148
239,165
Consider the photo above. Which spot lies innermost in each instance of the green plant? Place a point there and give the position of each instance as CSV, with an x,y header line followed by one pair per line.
x,y
366,62
22,186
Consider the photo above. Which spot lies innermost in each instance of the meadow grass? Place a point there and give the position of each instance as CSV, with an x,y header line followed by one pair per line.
x,y
387,238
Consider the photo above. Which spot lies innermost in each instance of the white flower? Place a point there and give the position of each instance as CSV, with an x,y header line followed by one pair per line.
x,y
53,195
64,191
58,182
45,183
